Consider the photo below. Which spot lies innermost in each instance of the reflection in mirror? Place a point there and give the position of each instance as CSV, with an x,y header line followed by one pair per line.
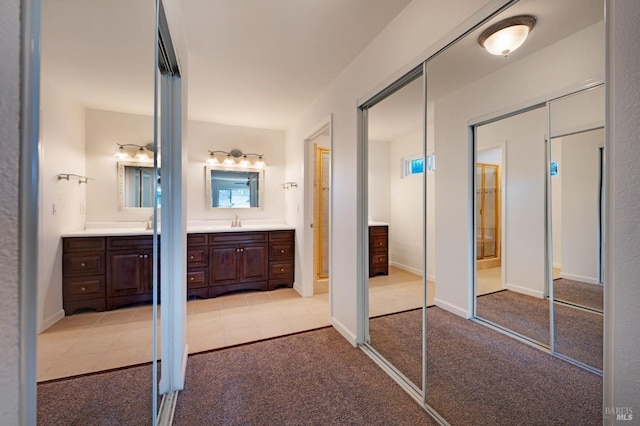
x,y
234,188
136,185
396,171
510,212
577,193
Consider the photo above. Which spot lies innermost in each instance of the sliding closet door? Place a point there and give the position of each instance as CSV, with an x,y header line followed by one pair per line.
x,y
396,278
576,198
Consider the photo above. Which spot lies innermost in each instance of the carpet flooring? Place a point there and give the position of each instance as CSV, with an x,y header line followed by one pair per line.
x,y
526,315
579,293
476,377
578,334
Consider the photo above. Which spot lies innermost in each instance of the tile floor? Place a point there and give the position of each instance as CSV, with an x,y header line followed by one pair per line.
x,y
96,341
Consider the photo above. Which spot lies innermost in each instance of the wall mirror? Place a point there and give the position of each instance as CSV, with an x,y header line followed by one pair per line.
x,y
234,188
136,187
396,181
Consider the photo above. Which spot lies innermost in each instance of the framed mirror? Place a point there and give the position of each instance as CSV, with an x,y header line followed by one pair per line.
x,y
136,186
234,188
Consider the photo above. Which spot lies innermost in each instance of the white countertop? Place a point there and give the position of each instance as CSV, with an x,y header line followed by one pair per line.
x,y
372,223
195,229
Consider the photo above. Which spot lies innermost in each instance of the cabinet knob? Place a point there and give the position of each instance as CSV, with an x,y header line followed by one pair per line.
x,y
282,251
83,288
83,264
191,257
380,243
281,269
146,255
190,278
141,256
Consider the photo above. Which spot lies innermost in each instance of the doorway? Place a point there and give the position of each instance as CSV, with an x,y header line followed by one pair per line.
x,y
319,148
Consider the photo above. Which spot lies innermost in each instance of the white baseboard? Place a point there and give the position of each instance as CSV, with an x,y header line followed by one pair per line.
x,y
451,308
588,280
51,320
406,268
346,333
525,290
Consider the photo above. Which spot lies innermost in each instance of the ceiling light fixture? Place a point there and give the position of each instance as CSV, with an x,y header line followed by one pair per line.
x,y
506,36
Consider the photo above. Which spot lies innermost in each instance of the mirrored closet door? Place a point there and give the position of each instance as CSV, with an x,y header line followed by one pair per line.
x,y
396,249
576,198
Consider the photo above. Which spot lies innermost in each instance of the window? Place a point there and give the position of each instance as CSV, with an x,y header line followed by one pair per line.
x,y
413,165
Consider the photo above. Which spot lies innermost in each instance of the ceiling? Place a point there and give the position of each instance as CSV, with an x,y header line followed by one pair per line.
x,y
254,63
465,61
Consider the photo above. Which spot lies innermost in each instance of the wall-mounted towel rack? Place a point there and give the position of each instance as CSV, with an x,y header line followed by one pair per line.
x,y
68,176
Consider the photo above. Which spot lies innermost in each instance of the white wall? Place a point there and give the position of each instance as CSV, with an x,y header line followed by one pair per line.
x,y
10,384
105,128
524,186
416,28
579,168
560,66
406,230
622,296
379,180
62,202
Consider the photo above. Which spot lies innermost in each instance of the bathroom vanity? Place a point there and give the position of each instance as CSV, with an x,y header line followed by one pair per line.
x,y
106,272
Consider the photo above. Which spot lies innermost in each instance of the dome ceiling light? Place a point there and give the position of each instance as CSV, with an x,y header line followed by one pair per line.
x,y
506,36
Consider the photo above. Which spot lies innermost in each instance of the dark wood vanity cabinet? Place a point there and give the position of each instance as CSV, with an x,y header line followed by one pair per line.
x,y
378,250
281,258
104,273
83,274
198,265
129,270
238,261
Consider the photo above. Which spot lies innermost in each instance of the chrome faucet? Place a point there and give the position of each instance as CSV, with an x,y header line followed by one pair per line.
x,y
236,223
149,223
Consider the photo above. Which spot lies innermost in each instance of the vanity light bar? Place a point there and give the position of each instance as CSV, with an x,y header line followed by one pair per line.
x,y
140,155
233,155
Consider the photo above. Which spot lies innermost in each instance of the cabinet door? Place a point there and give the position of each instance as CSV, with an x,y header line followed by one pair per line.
x,y
254,262
224,264
127,273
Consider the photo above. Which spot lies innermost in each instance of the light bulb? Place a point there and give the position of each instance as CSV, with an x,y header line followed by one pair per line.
x,y
229,160
121,154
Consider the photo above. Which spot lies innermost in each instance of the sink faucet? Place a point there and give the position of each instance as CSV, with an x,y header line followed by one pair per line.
x,y
150,223
236,223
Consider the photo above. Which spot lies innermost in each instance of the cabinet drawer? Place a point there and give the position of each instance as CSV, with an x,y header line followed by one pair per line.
x,y
282,235
280,270
85,287
237,237
198,256
378,230
83,244
378,259
197,240
378,242
280,250
77,264
120,243
197,278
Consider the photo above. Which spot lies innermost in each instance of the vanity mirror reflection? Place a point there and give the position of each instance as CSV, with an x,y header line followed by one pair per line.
x,y
234,187
136,188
